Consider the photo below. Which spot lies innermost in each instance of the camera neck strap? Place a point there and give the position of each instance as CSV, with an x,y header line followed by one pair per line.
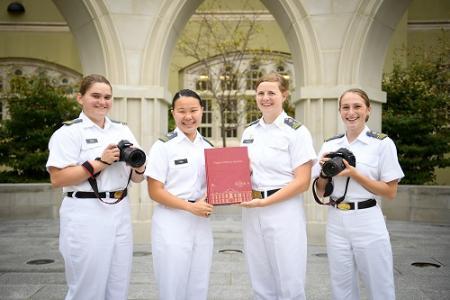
x,y
328,190
93,183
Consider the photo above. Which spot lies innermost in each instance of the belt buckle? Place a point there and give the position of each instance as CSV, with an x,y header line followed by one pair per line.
x,y
256,194
344,206
118,194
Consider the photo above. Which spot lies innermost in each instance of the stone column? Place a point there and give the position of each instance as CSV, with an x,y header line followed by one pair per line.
x,y
144,109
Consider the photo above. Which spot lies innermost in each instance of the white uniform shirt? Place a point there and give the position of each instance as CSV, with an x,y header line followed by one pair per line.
x,y
375,158
276,150
82,140
179,164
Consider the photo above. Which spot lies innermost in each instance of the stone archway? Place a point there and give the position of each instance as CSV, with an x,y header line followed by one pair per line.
x,y
98,45
333,47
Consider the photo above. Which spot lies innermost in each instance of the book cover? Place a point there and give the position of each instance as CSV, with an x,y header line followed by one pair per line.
x,y
228,175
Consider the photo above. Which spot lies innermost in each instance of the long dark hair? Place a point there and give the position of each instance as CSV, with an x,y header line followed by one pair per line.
x,y
186,93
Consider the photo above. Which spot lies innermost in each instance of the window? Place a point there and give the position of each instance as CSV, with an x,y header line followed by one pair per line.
x,y
206,128
233,79
252,112
206,131
203,83
231,117
228,79
252,76
61,76
282,70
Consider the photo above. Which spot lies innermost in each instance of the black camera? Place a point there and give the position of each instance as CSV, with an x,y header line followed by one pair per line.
x,y
132,156
335,165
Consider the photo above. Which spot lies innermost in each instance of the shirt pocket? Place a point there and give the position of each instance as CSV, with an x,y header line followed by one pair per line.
x,y
276,150
90,150
367,163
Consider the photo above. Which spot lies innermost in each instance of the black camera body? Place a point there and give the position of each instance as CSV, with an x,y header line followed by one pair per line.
x,y
132,156
335,165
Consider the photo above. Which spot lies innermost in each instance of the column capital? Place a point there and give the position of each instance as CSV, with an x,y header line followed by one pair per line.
x,y
333,92
141,91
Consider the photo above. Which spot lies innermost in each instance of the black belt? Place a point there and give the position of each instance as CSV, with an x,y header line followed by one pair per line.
x,y
351,205
83,195
262,195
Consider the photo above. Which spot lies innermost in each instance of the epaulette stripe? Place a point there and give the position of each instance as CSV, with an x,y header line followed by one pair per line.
x,y
377,135
168,136
207,141
335,137
118,122
252,123
293,123
74,121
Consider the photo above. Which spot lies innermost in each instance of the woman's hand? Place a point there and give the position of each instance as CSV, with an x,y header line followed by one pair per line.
x,y
323,159
349,170
111,154
201,208
253,203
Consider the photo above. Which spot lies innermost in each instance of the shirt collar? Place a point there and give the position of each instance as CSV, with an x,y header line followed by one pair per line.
x,y
362,137
181,136
88,122
279,121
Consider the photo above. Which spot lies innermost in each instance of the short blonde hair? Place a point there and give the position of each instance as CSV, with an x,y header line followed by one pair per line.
x,y
283,83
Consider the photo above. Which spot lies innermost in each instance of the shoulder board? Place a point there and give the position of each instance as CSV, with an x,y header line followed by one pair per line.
x,y
253,123
74,121
335,137
207,141
168,136
293,123
118,122
377,135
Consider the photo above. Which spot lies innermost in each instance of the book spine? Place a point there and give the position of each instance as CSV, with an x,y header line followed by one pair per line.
x,y
208,186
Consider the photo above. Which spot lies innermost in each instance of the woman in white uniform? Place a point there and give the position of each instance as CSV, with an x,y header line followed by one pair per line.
x,y
95,222
182,241
274,230
357,237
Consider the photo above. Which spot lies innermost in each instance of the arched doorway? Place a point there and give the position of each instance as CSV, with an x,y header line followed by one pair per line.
x,y
333,47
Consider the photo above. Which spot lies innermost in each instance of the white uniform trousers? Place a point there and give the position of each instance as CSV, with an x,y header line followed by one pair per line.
x,y
275,249
182,246
96,243
358,240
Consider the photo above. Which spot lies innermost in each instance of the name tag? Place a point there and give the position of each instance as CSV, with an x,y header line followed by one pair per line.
x,y
91,141
181,161
248,141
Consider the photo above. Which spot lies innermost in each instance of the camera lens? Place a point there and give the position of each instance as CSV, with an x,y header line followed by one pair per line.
x,y
333,166
134,157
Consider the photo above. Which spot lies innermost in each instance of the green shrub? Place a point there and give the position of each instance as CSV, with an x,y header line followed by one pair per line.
x,y
36,108
416,116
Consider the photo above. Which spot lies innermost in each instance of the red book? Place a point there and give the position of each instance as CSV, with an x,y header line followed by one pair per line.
x,y
227,175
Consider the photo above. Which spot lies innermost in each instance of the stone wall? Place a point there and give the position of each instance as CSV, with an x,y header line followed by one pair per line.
x,y
34,200
419,204
413,203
